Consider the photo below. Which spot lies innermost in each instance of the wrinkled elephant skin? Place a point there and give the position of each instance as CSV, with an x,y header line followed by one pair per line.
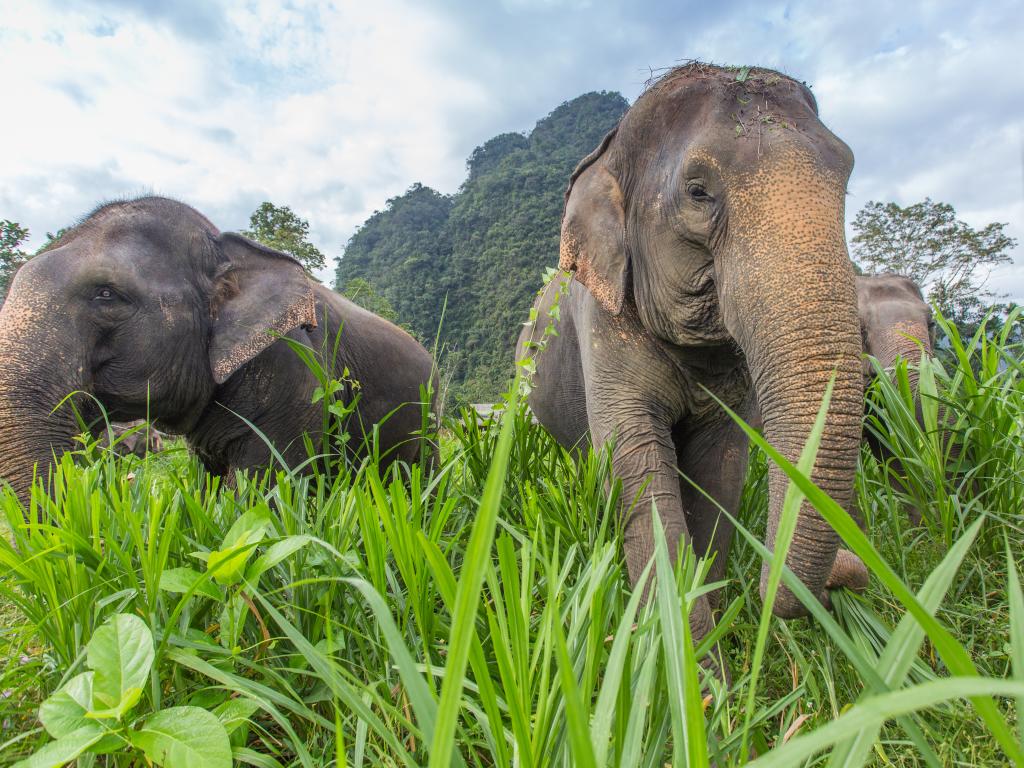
x,y
705,237
154,313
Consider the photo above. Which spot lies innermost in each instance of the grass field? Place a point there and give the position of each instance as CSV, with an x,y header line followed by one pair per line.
x,y
480,615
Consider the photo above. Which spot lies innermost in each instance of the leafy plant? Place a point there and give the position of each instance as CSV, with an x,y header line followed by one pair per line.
x,y
478,609
94,712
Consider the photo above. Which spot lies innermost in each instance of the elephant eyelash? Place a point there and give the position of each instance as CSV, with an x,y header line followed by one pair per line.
x,y
698,193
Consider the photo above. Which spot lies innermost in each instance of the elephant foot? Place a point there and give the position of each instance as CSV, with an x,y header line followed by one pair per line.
x,y
847,571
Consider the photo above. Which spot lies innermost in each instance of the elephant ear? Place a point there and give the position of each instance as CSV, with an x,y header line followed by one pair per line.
x,y
259,295
594,233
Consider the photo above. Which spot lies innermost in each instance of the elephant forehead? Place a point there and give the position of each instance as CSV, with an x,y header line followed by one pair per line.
x,y
794,201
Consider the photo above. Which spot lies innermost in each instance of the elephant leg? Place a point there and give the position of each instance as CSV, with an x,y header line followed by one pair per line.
x,y
712,458
644,459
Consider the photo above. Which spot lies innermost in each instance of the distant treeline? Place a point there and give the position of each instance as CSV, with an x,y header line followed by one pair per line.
x,y
485,248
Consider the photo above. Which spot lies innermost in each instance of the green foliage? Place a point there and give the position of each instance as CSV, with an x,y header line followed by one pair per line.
x,y
363,293
88,713
53,237
279,227
400,253
484,248
479,610
12,235
927,243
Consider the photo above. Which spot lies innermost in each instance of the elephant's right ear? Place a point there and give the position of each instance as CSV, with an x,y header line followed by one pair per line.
x,y
259,294
593,236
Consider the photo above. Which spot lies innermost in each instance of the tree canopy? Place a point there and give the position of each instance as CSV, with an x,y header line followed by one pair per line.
x,y
12,235
926,242
482,250
279,227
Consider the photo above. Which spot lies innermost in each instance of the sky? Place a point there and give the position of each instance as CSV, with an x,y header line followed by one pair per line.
x,y
331,108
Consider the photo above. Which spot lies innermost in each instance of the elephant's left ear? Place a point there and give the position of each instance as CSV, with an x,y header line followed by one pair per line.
x,y
260,294
593,235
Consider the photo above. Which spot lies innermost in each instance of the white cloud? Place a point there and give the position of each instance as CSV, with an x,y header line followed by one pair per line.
x,y
331,108
343,110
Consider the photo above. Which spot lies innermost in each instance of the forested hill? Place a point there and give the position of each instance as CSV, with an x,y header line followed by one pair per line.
x,y
485,247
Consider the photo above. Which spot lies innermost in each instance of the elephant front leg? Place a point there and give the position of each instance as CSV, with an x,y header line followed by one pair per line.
x,y
712,463
644,460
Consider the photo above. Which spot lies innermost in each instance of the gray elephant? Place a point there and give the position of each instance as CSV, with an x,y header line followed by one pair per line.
x,y
150,309
705,237
896,322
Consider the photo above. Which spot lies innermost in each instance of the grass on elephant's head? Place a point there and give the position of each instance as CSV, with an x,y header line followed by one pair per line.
x,y
342,627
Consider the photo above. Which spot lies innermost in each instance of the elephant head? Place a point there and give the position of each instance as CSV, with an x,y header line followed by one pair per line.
x,y
715,212
895,321
146,307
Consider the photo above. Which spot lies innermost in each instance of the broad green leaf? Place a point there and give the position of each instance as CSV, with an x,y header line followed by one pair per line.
x,y
247,525
234,713
128,701
64,712
183,580
273,702
184,737
121,655
276,553
228,564
65,749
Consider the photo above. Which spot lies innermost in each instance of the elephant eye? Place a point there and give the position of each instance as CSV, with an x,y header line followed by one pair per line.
x,y
698,193
105,293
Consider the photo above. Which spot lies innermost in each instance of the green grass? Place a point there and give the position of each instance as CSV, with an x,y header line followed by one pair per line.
x,y
480,614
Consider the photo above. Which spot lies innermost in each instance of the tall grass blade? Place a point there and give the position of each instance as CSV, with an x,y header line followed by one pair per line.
x,y
901,652
468,594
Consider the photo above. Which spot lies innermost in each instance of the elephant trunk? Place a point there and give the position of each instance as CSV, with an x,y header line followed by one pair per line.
x,y
37,370
788,296
908,340
790,387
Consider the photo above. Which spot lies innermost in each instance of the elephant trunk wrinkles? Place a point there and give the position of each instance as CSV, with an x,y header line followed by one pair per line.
x,y
910,343
789,298
36,372
791,400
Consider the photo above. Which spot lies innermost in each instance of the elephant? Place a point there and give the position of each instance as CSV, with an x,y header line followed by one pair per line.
x,y
151,311
895,322
705,241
